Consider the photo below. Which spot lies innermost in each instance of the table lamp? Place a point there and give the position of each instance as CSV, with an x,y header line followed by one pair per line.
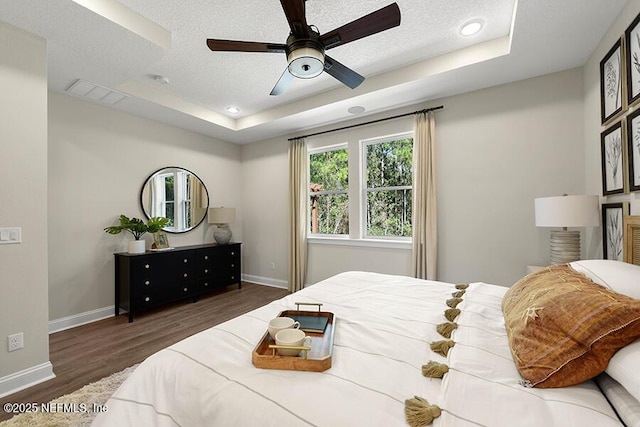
x,y
221,217
566,211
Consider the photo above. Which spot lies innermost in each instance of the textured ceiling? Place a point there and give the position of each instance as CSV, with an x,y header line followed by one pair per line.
x,y
121,46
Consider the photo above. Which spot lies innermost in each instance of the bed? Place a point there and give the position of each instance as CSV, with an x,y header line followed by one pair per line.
x,y
406,351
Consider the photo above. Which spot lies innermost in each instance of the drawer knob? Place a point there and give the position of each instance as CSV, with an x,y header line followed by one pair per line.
x,y
206,283
206,271
206,257
185,274
233,265
233,253
146,282
233,277
185,289
147,299
186,260
146,266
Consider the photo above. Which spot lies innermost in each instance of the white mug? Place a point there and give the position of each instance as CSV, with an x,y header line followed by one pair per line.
x,y
280,323
292,338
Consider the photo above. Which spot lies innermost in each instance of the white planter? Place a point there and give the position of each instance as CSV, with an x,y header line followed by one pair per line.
x,y
137,246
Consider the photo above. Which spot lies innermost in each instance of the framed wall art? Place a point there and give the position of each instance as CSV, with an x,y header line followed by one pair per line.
x,y
612,230
611,82
633,149
632,60
612,160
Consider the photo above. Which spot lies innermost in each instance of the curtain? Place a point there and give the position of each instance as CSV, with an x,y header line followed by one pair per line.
x,y
297,213
425,227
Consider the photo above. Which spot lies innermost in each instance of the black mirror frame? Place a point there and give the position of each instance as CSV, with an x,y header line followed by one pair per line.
x,y
146,181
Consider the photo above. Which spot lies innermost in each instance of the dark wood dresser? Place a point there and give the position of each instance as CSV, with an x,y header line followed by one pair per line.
x,y
144,281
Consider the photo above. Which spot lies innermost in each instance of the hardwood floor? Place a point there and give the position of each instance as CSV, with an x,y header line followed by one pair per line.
x,y
90,352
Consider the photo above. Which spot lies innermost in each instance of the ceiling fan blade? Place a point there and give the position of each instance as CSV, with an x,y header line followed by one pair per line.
x,y
241,46
375,22
343,73
295,12
283,83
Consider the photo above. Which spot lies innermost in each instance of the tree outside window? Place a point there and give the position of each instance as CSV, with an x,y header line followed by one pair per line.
x,y
328,191
387,186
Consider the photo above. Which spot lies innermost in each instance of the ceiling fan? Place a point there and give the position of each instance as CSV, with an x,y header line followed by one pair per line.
x,y
305,47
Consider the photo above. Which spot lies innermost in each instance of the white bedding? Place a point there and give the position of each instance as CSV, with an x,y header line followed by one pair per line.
x,y
383,330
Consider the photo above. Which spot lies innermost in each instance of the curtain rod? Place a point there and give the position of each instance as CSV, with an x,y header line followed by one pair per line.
x,y
426,110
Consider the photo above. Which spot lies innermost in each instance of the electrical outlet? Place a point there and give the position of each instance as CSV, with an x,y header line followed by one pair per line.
x,y
15,341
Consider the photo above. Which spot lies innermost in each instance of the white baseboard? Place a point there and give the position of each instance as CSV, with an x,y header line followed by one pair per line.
x,y
276,283
68,322
26,378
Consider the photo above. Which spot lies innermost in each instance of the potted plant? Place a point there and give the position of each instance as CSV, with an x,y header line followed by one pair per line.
x,y
137,228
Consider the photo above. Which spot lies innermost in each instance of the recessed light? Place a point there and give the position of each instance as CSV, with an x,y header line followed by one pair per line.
x,y
471,27
357,109
232,109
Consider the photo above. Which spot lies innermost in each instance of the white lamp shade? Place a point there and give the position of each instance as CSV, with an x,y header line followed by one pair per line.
x,y
306,62
568,211
221,215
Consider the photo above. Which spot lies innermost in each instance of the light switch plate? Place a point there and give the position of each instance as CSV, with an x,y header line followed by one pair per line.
x,y
9,235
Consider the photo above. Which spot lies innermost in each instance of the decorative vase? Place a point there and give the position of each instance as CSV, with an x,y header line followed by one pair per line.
x,y
222,234
137,247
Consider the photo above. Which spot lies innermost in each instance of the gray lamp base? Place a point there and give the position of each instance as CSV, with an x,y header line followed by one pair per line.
x,y
565,246
222,234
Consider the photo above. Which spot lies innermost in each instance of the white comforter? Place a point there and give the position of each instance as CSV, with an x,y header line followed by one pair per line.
x,y
383,330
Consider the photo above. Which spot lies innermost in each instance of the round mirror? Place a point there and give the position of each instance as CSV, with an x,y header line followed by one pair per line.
x,y
177,194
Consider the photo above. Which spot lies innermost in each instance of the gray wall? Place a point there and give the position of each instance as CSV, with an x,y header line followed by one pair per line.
x,y
98,161
593,128
23,150
497,150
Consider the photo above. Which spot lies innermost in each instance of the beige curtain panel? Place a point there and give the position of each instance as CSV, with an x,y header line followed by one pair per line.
x,y
425,226
297,213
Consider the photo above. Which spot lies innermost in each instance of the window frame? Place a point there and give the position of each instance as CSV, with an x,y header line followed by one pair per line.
x,y
364,190
356,197
324,149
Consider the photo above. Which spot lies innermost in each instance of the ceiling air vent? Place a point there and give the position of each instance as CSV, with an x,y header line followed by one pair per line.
x,y
94,92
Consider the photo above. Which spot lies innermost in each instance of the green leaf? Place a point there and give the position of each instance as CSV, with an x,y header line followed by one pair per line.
x,y
136,226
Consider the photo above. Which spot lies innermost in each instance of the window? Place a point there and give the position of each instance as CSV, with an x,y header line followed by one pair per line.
x,y
174,193
328,191
361,191
387,183
168,199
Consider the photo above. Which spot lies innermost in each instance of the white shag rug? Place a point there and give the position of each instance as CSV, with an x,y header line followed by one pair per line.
x,y
74,409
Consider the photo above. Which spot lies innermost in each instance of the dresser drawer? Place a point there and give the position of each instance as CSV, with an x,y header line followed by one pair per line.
x,y
155,278
162,270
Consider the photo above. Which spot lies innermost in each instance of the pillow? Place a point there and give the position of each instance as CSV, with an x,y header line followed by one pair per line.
x,y
626,406
621,277
624,367
563,328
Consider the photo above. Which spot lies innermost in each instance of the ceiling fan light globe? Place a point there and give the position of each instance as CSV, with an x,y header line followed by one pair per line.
x,y
306,63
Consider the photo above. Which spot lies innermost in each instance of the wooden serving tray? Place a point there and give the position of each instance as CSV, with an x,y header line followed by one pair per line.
x,y
316,359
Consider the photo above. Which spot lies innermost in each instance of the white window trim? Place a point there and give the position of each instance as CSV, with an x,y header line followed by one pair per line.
x,y
363,185
334,147
357,200
371,243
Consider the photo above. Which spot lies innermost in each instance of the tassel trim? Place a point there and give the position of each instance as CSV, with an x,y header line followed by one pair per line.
x,y
446,329
458,294
451,314
434,369
419,412
453,302
442,347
